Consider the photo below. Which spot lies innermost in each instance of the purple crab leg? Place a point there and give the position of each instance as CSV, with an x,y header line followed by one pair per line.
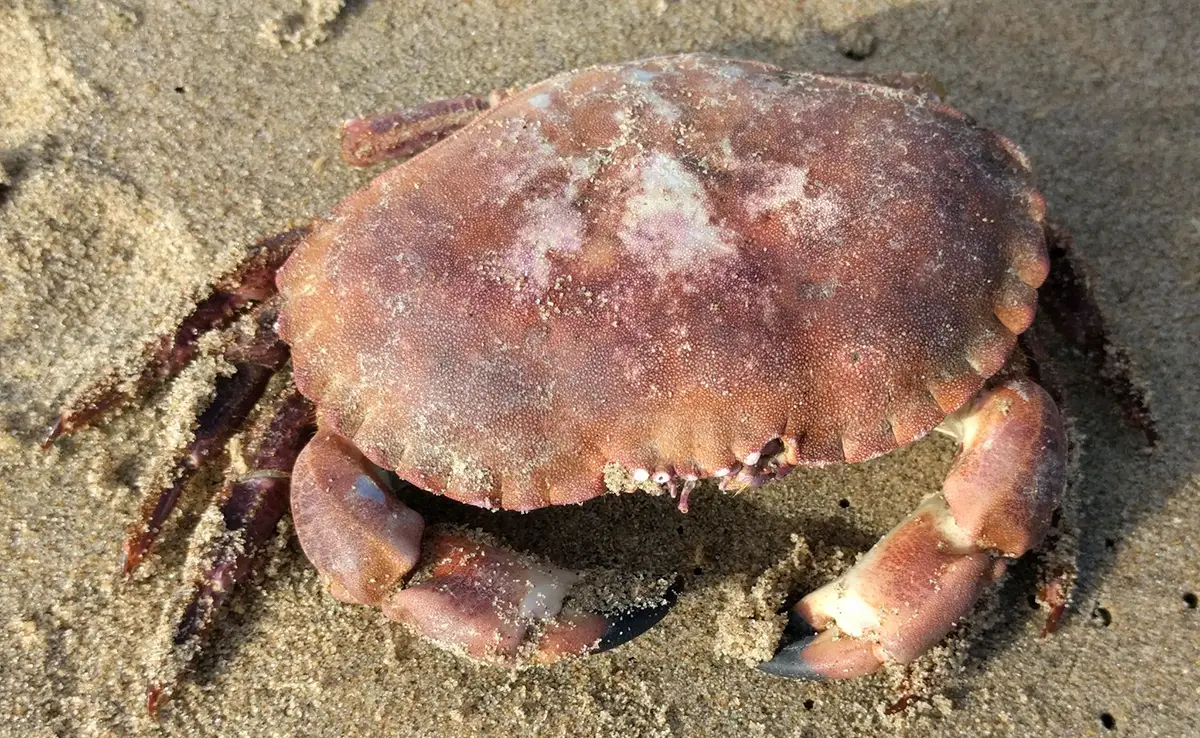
x,y
255,360
253,280
909,590
472,597
372,139
252,508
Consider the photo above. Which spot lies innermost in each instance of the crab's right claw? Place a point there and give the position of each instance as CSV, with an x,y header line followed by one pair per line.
x,y
908,591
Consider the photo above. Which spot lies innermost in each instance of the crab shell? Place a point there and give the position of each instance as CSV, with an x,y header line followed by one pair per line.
x,y
665,265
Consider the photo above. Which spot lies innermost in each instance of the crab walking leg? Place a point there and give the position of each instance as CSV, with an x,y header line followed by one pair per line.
x,y
376,138
478,599
253,280
255,360
252,508
908,591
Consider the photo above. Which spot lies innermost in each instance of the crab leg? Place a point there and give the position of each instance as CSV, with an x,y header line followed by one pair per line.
x,y
253,280
255,360
376,138
252,508
479,599
908,591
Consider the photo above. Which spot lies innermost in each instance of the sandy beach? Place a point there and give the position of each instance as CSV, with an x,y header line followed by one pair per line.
x,y
145,143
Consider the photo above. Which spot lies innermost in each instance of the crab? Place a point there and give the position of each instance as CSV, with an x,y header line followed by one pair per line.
x,y
631,277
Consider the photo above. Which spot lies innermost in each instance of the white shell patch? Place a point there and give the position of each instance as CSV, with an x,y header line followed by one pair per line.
x,y
668,223
790,195
552,226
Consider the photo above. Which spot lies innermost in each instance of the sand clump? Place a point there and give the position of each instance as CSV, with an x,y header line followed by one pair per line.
x,y
751,619
37,83
303,27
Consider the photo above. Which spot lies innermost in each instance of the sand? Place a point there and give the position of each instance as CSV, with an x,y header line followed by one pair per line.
x,y
144,143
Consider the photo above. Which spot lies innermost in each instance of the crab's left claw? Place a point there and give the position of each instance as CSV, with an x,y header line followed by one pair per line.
x,y
908,591
472,597
497,605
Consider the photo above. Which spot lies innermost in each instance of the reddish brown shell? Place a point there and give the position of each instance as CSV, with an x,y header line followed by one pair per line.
x,y
665,264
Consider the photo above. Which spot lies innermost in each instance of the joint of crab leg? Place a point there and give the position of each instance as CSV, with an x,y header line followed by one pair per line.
x,y
251,281
912,587
1006,481
256,359
251,511
370,140
362,539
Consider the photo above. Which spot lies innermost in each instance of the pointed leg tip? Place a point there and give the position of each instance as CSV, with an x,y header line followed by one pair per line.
x,y
56,429
627,625
157,695
131,557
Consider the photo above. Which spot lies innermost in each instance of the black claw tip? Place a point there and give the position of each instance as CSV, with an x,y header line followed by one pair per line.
x,y
798,629
629,624
788,662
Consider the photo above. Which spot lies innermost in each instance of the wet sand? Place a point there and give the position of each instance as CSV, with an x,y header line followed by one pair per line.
x,y
144,144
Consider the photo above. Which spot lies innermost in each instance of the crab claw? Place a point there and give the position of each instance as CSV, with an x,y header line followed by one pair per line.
x,y
497,605
806,653
481,600
909,591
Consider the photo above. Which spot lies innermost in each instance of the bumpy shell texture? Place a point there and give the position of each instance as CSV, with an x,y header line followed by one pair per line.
x,y
665,264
